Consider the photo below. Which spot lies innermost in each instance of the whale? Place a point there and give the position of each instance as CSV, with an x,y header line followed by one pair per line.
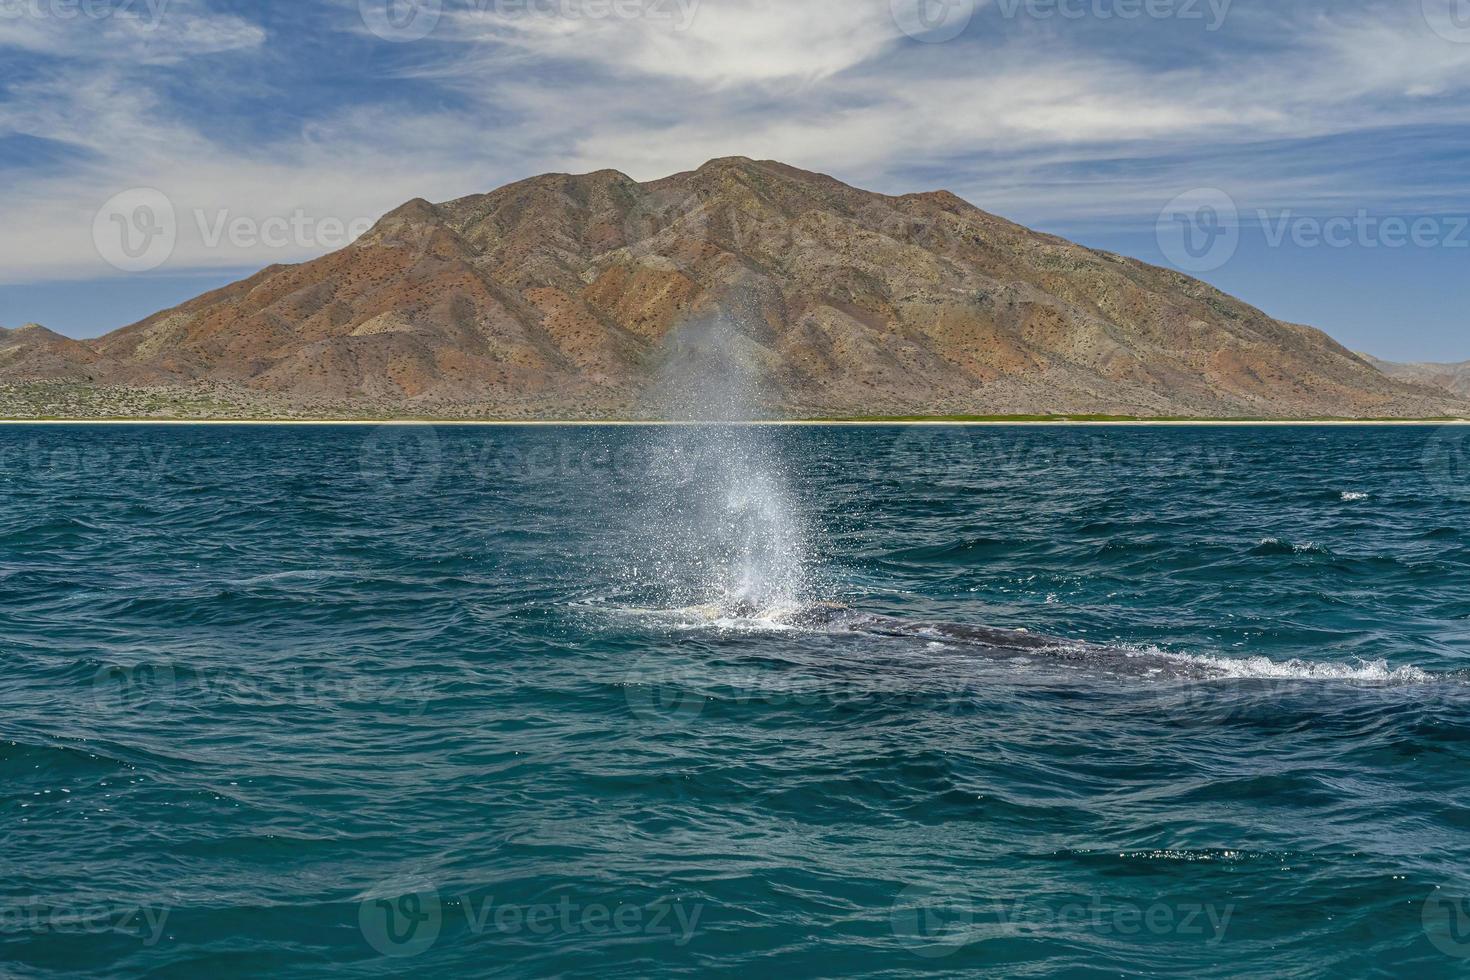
x,y
1019,644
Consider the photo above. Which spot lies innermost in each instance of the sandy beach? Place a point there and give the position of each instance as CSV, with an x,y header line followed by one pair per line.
x,y
533,423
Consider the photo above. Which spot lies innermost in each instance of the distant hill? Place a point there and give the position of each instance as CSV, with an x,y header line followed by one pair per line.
x,y
33,352
569,296
1454,378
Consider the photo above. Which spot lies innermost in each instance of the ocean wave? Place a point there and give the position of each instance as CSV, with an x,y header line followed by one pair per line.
x,y
1276,546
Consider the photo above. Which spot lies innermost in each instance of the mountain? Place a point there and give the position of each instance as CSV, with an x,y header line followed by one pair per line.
x,y
1454,378
574,296
33,352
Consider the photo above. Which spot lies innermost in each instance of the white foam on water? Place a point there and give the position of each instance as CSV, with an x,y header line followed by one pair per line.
x,y
775,619
1351,495
1309,548
1264,668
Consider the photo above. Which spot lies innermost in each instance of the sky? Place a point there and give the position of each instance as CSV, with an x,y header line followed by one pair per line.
x,y
1312,157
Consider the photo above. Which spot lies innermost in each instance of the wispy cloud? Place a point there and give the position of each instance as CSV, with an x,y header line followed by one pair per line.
x,y
730,43
137,32
1044,119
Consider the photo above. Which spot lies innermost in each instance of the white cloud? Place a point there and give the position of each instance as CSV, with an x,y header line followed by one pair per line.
x,y
1028,123
157,32
724,43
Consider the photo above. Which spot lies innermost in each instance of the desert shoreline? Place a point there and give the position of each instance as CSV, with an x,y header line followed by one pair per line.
x,y
852,423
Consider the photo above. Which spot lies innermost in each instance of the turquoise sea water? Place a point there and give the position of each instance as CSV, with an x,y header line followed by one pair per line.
x,y
308,702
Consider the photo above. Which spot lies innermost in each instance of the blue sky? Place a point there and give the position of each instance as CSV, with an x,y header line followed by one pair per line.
x,y
1331,138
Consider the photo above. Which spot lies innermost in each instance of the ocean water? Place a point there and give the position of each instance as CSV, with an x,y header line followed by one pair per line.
x,y
380,702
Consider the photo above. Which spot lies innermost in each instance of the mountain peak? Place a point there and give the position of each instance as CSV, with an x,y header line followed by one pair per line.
x,y
31,331
727,163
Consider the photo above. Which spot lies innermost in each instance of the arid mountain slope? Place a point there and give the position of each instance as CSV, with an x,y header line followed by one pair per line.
x,y
33,352
567,295
1454,378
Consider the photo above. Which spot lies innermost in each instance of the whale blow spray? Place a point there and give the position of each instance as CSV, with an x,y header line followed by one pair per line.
x,y
723,528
